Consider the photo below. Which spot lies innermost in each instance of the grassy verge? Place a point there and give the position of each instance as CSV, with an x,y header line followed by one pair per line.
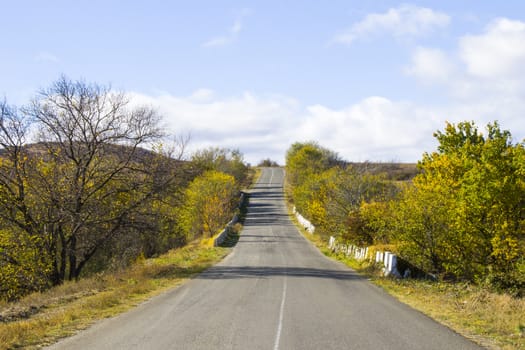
x,y
495,321
42,318
257,171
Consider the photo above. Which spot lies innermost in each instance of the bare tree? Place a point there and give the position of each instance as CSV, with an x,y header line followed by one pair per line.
x,y
87,178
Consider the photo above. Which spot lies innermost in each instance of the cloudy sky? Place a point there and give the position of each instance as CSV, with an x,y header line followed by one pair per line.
x,y
370,80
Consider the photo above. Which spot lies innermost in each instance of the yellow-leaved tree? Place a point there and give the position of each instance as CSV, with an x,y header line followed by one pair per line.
x,y
209,203
464,217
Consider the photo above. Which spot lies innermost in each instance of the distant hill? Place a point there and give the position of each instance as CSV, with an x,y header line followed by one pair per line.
x,y
40,149
394,171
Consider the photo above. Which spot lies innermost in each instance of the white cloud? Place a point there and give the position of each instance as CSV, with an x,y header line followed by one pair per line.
x,y
498,52
403,21
372,129
256,125
232,34
375,128
484,76
202,95
431,66
45,57
487,66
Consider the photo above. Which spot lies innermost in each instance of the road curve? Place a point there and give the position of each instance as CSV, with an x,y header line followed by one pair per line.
x,y
274,291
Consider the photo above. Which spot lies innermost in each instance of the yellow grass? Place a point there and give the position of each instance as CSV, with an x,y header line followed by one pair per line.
x,y
491,319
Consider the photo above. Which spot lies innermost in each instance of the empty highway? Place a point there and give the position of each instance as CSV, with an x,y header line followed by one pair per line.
x,y
274,291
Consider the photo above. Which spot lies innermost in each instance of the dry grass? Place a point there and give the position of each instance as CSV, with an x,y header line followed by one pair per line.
x,y
255,174
491,319
42,318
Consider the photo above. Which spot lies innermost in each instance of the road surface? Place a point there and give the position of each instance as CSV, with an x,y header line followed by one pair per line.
x,y
274,291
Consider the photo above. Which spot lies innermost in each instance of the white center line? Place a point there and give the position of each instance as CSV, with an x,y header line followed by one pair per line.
x,y
281,313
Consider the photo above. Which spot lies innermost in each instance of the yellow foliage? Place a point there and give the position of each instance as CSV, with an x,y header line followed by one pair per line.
x,y
209,203
23,266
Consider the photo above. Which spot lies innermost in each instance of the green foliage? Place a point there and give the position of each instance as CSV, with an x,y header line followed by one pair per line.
x,y
352,191
464,216
331,194
209,204
268,163
23,266
86,195
223,160
310,196
417,222
305,159
333,201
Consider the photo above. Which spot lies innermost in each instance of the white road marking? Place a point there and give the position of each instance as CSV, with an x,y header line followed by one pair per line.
x,y
283,301
281,314
271,177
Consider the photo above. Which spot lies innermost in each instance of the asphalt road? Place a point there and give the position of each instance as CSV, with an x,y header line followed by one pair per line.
x,y
274,291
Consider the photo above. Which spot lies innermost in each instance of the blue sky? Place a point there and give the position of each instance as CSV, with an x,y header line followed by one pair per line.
x,y
370,80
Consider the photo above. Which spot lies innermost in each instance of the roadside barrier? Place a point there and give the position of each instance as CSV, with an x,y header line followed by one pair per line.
x,y
304,222
386,258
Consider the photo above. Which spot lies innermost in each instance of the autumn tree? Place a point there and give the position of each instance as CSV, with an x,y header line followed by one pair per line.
x,y
466,211
86,178
311,197
24,267
351,191
24,261
223,160
333,200
267,162
304,159
331,192
209,203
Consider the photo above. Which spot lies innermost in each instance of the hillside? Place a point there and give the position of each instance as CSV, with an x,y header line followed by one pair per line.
x,y
393,171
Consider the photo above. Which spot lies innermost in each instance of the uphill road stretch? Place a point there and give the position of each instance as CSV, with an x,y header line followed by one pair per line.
x,y
274,291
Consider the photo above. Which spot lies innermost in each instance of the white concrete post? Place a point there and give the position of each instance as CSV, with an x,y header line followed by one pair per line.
x,y
331,242
393,263
389,264
386,259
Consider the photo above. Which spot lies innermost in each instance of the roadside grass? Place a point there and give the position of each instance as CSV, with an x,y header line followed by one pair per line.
x,y
495,321
256,174
491,319
43,318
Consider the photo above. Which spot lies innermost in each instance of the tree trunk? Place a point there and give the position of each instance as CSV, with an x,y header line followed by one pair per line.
x,y
63,255
73,258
